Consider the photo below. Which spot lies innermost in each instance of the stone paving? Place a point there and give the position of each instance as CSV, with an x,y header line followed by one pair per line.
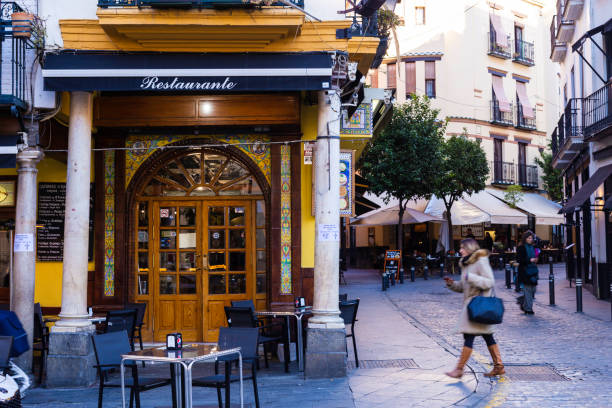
x,y
416,321
577,346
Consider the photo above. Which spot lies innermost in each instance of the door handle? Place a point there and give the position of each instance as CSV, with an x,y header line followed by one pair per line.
x,y
205,262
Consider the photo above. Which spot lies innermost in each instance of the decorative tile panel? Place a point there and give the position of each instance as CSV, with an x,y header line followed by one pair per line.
x,y
285,224
109,223
141,147
360,124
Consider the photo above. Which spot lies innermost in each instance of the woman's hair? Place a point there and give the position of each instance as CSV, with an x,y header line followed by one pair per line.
x,y
470,245
526,235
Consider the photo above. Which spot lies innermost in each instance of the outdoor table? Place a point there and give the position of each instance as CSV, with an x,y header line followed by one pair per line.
x,y
185,358
287,312
92,319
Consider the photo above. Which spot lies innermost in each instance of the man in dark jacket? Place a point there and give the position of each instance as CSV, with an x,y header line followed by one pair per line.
x,y
527,270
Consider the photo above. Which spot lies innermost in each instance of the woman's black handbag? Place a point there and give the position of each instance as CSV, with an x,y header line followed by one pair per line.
x,y
486,310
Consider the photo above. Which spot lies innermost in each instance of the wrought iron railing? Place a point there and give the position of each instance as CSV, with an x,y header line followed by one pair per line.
x,y
523,52
13,48
554,142
503,172
364,26
522,121
527,175
573,118
597,111
496,49
188,3
499,116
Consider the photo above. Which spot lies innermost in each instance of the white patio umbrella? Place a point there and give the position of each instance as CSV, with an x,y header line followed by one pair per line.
x,y
390,216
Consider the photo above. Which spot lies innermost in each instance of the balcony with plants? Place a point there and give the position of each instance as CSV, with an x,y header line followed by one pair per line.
x,y
20,31
523,53
497,48
567,140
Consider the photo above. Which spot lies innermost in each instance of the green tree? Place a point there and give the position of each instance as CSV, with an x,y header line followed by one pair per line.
x,y
513,195
464,170
552,179
404,160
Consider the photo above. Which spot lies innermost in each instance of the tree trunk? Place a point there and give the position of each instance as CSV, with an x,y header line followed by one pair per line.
x,y
400,227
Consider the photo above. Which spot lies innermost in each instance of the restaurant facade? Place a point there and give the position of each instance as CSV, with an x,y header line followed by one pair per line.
x,y
186,128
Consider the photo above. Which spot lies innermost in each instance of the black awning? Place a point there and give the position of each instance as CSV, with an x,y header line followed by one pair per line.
x,y
582,195
362,204
187,72
605,28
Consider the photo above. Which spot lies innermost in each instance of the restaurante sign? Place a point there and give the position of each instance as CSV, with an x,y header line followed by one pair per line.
x,y
154,83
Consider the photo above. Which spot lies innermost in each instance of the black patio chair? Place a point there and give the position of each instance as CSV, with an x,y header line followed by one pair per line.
x,y
243,317
6,344
230,337
248,303
119,320
140,315
343,297
348,312
40,340
108,349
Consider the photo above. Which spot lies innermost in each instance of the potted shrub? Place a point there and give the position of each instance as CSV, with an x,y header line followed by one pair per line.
x,y
22,22
387,20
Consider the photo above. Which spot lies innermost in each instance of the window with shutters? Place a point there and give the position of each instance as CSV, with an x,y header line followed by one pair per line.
x,y
410,78
430,79
374,79
419,15
391,76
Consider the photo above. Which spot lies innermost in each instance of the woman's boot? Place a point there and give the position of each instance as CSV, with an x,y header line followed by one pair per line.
x,y
498,366
463,359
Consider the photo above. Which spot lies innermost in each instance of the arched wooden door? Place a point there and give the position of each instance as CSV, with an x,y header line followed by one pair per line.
x,y
202,244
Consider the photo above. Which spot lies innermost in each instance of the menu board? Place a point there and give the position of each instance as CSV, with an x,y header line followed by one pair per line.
x,y
50,234
392,262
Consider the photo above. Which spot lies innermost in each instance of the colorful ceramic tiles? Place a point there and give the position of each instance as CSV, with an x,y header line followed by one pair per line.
x,y
141,147
285,182
109,223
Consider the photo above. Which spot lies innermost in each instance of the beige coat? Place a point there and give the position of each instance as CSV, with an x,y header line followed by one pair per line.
x,y
476,279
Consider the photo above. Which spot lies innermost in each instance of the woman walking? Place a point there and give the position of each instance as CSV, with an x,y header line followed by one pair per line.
x,y
527,270
476,279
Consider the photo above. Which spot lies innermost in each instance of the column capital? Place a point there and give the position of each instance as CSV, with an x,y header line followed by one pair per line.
x,y
29,157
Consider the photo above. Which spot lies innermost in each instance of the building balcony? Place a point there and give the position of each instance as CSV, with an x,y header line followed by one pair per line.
x,y
500,117
187,3
558,49
523,53
597,113
567,138
565,27
496,50
14,94
572,9
503,173
522,121
527,175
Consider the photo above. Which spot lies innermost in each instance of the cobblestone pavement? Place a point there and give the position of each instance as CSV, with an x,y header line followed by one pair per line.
x,y
576,346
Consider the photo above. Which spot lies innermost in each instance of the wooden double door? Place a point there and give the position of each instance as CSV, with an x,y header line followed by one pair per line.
x,y
203,258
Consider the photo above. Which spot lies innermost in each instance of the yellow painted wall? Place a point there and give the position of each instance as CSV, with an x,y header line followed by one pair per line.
x,y
48,282
309,130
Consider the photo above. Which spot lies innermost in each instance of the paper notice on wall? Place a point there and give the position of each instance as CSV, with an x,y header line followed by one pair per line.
x,y
24,243
308,147
329,232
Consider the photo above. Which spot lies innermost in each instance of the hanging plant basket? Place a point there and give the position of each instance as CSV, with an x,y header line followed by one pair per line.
x,y
22,24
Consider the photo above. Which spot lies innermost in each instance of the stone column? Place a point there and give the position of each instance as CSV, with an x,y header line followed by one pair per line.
x,y
22,281
326,350
71,359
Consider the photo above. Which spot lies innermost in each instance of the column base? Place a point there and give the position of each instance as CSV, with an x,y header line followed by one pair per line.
x,y
71,359
325,353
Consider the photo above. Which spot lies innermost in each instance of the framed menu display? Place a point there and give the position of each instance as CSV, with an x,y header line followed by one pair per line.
x,y
393,259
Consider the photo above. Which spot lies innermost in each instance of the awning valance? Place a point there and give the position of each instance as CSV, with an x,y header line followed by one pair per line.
x,y
588,188
545,211
501,38
500,94
477,208
521,90
183,72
